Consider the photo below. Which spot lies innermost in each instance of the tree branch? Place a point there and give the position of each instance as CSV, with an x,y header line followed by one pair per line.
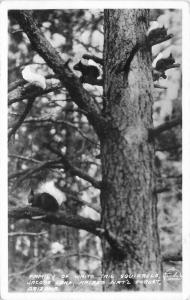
x,y
79,199
40,167
74,170
77,172
163,189
168,148
163,127
13,85
22,117
160,86
26,233
172,256
39,43
23,92
66,123
160,40
25,158
172,66
62,162
59,218
87,46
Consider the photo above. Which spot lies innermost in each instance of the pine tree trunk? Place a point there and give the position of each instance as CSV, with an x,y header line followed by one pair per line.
x,y
72,234
128,197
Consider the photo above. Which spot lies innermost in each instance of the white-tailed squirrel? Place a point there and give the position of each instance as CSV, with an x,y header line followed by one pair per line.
x,y
89,72
43,200
163,63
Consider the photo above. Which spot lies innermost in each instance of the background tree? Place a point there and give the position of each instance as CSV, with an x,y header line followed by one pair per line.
x,y
77,128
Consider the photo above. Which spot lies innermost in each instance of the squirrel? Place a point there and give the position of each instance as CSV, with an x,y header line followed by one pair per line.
x,y
43,200
89,72
157,33
163,63
153,37
157,75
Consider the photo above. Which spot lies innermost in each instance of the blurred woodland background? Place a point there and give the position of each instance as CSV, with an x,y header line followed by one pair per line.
x,y
36,247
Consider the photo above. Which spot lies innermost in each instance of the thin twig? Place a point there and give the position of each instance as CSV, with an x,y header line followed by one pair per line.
x,y
80,200
74,170
10,234
29,172
24,158
66,123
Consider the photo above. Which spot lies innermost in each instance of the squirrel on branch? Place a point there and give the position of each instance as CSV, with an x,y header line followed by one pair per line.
x,y
165,63
90,73
44,201
153,37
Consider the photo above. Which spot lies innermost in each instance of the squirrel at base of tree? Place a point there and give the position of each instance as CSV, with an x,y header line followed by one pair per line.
x,y
44,201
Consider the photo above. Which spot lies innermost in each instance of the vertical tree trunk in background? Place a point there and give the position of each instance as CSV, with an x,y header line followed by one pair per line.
x,y
128,198
72,234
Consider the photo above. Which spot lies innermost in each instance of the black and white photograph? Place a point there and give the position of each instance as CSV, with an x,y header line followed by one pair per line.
x,y
94,153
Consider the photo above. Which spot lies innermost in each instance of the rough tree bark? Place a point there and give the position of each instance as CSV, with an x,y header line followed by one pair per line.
x,y
128,199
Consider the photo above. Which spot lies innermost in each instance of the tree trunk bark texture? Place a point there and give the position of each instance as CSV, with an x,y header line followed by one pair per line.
x,y
128,198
